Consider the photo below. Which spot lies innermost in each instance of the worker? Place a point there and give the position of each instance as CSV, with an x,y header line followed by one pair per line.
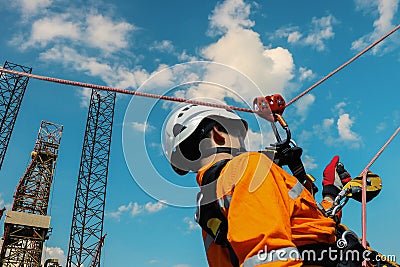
x,y
252,212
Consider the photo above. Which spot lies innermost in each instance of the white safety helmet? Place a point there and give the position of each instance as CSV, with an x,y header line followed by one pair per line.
x,y
184,122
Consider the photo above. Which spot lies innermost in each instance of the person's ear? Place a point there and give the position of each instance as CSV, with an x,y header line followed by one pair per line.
x,y
218,136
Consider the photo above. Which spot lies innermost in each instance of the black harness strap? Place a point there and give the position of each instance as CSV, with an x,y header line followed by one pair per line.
x,y
291,157
209,214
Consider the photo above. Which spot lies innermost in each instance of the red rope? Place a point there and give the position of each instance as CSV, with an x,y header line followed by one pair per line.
x,y
342,66
178,99
123,91
364,187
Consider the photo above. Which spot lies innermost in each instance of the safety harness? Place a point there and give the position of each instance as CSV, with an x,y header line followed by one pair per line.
x,y
209,214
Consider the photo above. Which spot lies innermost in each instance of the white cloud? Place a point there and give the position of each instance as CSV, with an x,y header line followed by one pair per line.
x,y
327,123
241,48
384,13
324,132
303,105
115,76
54,253
82,27
365,5
84,96
30,8
121,209
282,67
165,78
339,135
337,130
230,15
292,34
294,37
309,162
191,224
270,69
49,28
381,127
108,35
166,46
71,57
387,9
322,31
182,265
316,37
184,56
162,46
305,74
155,207
339,107
344,124
142,127
134,209
304,136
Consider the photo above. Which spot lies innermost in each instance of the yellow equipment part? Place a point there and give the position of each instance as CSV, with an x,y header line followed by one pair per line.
x,y
374,186
213,224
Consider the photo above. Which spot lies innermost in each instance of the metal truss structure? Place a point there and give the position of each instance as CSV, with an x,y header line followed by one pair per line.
x,y
87,221
96,259
26,225
12,89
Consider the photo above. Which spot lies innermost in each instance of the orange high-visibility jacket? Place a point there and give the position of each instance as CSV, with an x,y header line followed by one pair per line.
x,y
268,210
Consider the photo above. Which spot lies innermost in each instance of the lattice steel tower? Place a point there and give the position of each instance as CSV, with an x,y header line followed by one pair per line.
x,y
26,225
12,89
87,221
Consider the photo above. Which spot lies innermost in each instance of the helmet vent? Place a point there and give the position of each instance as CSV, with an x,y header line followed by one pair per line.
x,y
178,128
180,115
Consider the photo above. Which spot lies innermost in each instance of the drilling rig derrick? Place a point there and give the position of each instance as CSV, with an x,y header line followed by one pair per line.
x,y
26,225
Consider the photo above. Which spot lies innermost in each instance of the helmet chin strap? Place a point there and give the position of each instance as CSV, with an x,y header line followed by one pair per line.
x,y
212,151
228,150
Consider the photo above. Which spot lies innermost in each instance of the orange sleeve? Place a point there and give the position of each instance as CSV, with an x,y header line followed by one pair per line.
x,y
259,215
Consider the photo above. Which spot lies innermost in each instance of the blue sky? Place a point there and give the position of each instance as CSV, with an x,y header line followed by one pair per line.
x,y
268,47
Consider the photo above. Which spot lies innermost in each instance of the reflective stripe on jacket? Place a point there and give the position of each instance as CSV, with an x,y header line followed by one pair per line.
x,y
268,211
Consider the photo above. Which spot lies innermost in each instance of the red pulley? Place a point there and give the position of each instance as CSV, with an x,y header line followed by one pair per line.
x,y
269,106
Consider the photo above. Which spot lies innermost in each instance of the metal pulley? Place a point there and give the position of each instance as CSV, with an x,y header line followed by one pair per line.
x,y
285,152
270,108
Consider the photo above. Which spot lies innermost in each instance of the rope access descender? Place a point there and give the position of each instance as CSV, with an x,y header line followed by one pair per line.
x,y
284,152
